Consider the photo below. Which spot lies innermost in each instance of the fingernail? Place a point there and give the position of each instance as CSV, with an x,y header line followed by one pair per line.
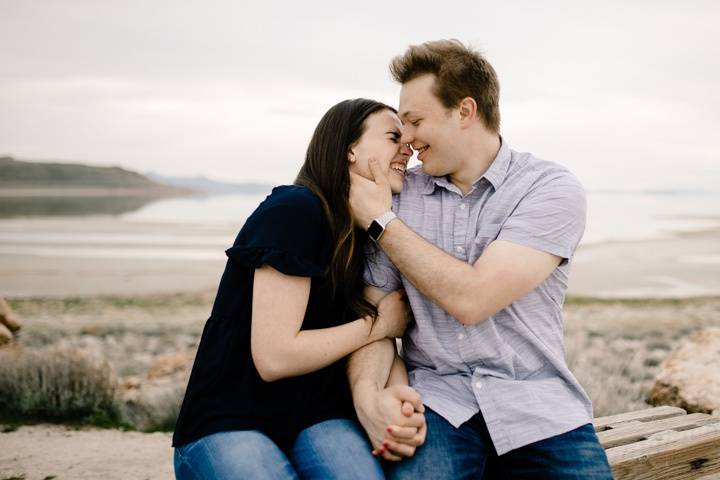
x,y
386,445
381,451
374,453
389,429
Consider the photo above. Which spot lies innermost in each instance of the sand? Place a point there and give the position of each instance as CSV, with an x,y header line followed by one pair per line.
x,y
40,452
680,265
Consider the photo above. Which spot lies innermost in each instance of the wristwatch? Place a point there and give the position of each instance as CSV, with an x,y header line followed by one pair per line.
x,y
377,226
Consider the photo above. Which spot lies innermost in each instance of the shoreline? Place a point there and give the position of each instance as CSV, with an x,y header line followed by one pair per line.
x,y
37,263
82,192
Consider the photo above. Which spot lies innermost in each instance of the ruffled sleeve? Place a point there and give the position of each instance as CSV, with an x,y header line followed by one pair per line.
x,y
287,231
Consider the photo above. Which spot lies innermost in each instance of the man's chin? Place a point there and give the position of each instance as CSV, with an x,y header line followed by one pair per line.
x,y
428,170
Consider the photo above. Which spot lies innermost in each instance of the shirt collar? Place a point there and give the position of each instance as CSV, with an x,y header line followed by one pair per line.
x,y
498,170
495,174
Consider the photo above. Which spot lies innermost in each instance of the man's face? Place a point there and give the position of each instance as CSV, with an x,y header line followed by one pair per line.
x,y
428,126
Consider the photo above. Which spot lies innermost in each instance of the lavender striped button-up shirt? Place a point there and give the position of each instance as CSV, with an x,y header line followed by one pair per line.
x,y
512,365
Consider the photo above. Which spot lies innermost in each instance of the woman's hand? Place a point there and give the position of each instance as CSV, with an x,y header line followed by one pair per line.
x,y
394,314
393,419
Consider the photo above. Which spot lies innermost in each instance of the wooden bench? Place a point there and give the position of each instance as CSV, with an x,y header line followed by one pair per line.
x,y
661,443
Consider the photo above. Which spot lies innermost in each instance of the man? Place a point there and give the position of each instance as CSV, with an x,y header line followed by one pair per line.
x,y
482,244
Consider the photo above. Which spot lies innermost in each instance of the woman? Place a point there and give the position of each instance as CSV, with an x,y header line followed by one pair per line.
x,y
267,396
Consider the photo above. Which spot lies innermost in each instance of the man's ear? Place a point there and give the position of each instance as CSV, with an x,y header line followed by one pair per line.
x,y
467,111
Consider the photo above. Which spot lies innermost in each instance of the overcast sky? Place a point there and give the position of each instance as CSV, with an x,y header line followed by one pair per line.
x,y
626,94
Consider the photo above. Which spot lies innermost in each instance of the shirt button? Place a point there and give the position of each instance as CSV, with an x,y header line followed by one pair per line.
x,y
461,336
459,249
478,385
462,206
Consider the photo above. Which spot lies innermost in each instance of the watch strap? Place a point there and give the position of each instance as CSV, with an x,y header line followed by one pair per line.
x,y
385,218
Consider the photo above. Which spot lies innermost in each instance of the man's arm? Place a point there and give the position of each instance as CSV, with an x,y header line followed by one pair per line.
x,y
378,407
506,271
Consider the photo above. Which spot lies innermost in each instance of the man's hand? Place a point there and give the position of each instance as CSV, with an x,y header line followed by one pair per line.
x,y
394,421
369,199
402,441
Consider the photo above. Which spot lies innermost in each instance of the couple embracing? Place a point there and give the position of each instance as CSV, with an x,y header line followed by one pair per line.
x,y
465,258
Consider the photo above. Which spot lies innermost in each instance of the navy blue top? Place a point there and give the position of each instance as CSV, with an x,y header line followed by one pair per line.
x,y
288,231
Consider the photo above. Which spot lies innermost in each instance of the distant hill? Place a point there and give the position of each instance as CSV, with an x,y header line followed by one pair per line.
x,y
16,173
204,184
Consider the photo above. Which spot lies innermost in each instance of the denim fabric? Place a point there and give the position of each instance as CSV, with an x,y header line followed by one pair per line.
x,y
467,452
327,450
232,455
335,449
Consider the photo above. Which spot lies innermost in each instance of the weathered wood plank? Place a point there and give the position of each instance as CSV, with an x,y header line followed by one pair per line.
x,y
633,433
657,413
688,454
712,476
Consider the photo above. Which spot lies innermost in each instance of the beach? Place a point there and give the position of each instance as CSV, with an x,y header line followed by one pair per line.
x,y
42,452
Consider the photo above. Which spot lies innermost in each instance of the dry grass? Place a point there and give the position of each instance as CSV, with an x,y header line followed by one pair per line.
x,y
57,384
615,347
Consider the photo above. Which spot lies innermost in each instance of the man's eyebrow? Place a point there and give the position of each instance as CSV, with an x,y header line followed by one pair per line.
x,y
406,114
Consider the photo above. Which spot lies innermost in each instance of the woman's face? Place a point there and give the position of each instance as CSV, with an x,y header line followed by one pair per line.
x,y
381,140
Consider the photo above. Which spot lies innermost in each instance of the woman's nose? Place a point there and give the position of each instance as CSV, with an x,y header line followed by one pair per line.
x,y
405,149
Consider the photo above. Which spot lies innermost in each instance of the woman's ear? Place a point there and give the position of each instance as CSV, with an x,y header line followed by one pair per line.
x,y
351,156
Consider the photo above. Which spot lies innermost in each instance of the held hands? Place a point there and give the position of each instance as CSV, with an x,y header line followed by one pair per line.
x,y
369,198
394,421
394,314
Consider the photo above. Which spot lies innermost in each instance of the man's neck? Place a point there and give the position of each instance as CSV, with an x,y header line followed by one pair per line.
x,y
481,152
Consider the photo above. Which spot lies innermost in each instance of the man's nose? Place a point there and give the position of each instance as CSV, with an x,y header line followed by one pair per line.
x,y
406,137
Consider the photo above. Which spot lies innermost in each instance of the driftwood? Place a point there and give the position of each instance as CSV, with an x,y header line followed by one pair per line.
x,y
661,443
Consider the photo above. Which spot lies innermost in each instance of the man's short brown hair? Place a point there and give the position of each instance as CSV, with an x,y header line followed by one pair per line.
x,y
459,71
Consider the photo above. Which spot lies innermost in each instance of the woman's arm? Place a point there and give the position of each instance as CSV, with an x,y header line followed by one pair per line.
x,y
280,349
398,372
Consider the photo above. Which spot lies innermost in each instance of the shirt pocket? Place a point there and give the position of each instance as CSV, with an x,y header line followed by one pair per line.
x,y
486,234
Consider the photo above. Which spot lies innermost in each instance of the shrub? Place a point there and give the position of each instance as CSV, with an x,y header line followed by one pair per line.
x,y
57,385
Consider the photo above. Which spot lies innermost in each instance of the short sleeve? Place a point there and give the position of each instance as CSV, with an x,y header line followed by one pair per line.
x,y
551,217
380,272
288,232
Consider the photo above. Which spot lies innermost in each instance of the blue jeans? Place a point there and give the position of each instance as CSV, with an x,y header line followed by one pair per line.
x,y
468,452
331,449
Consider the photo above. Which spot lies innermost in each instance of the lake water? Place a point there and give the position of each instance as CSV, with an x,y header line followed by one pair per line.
x,y
200,228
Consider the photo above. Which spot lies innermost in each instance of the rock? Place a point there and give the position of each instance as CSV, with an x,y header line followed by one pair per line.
x,y
153,401
6,335
689,377
8,318
131,382
170,364
152,404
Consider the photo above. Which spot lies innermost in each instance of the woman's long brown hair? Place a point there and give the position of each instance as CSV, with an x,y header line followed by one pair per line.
x,y
325,172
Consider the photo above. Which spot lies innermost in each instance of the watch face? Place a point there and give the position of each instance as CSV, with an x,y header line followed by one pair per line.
x,y
375,230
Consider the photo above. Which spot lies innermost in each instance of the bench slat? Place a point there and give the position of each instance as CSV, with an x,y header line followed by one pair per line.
x,y
688,454
634,432
657,413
